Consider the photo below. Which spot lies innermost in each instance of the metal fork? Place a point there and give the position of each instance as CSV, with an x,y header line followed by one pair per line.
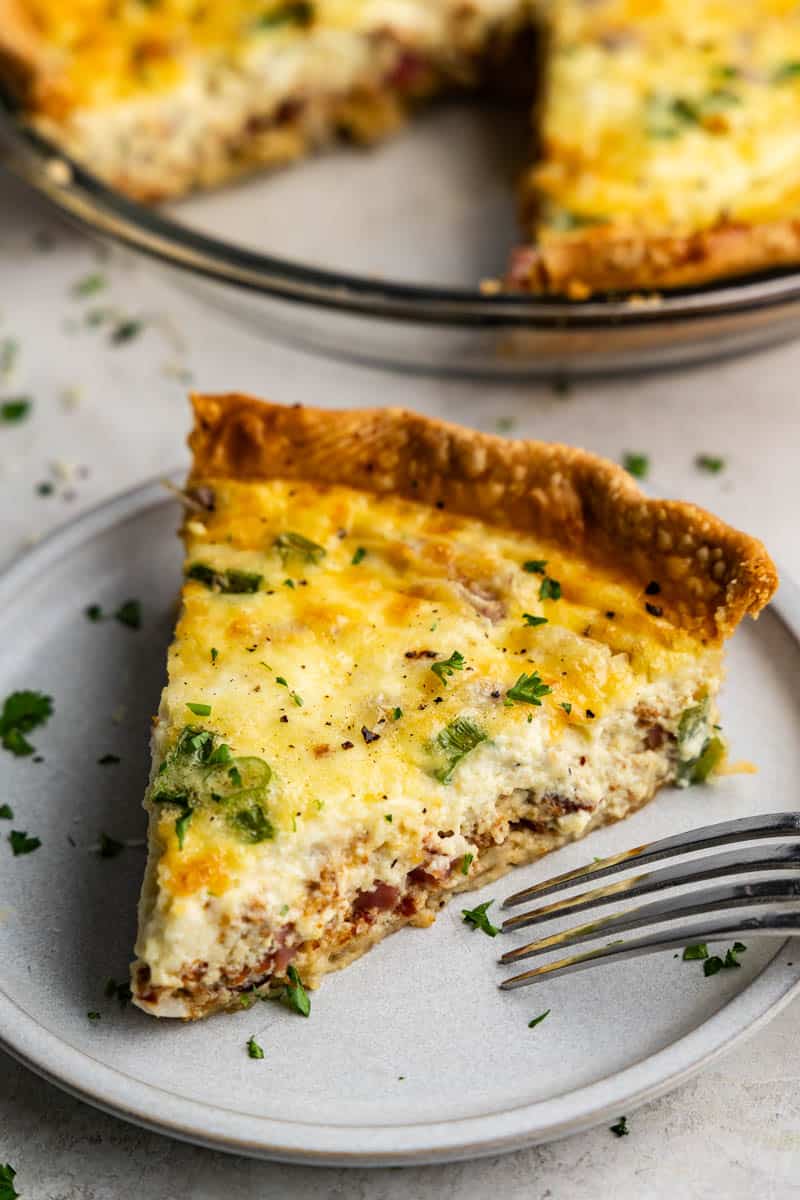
x,y
769,906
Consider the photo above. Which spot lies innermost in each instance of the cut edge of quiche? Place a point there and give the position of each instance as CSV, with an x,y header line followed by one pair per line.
x,y
410,656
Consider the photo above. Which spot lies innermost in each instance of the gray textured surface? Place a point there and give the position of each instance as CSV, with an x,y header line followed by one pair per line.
x,y
734,1131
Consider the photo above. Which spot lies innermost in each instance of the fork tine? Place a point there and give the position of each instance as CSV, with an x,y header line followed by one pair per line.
x,y
750,859
778,922
743,829
738,896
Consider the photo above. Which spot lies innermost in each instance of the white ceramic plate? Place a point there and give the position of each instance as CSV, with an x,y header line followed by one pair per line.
x,y
412,1054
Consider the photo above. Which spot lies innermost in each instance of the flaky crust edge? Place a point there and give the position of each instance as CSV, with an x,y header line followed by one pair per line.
x,y
609,259
710,574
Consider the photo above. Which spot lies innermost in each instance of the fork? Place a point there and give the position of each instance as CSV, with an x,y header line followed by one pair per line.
x,y
769,906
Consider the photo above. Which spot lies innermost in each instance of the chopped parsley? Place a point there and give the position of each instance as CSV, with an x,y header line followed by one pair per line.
x,y
130,614
549,589
447,667
621,1127
108,760
200,771
388,817
125,331
6,813
7,1177
45,488
699,751
93,1015
90,285
359,556
567,707
199,710
214,654
93,612
535,566
14,410
122,991
231,582
300,12
23,712
294,995
528,689
295,698
786,72
695,952
397,714
21,843
455,742
253,1049
109,847
537,1020
715,964
710,463
465,863
530,619
477,917
637,465
288,544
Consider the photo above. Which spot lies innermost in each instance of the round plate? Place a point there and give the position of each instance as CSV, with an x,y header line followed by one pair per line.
x,y
411,1054
387,269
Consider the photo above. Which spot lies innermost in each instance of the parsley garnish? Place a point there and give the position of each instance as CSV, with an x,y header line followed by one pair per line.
x,y
447,667
397,714
199,710
232,581
7,1177
109,847
478,919
108,760
253,1049
214,654
530,619
710,463
359,556
130,614
388,817
94,612
294,995
549,589
715,964
621,1127
567,707
122,991
786,72
536,1020
93,1015
126,331
698,951
298,13
297,699
465,863
636,464
455,741
21,843
22,712
535,566
528,690
15,409
6,813
89,285
288,544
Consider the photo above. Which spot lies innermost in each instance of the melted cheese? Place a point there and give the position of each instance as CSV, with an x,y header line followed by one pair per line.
x,y
670,118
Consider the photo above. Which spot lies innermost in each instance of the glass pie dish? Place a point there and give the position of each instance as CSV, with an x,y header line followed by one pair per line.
x,y
391,256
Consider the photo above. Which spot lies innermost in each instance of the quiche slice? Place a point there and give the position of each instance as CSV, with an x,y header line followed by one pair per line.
x,y
161,96
669,152
409,657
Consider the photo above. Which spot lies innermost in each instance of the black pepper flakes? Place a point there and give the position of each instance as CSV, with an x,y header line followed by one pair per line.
x,y
589,715
655,610
347,745
653,588
284,719
369,735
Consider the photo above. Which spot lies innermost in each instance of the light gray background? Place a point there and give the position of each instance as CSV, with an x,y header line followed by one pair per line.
x,y
107,417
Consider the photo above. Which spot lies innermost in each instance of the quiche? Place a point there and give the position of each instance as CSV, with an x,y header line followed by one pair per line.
x,y
409,657
665,152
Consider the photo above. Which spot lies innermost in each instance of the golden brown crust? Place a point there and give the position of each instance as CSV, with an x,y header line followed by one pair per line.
x,y
710,575
605,259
